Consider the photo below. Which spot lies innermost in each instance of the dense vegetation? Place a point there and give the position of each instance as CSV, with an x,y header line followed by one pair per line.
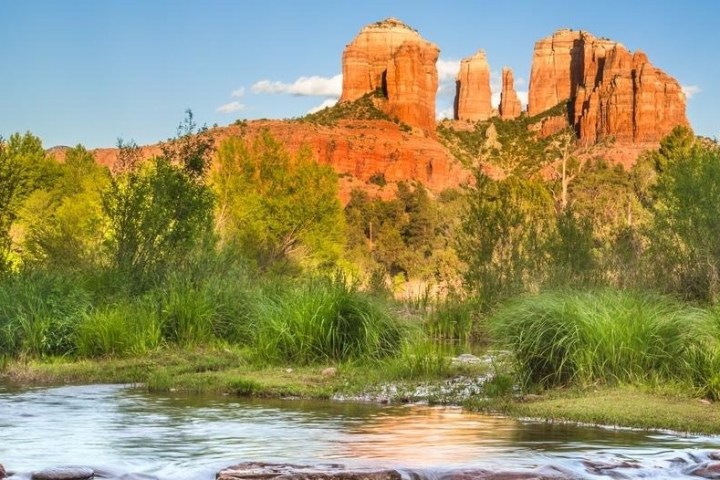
x,y
586,273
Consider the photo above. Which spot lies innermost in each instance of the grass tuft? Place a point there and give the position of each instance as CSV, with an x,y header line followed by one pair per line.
x,y
608,337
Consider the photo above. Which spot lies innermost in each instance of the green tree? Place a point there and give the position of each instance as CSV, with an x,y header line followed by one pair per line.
x,y
64,223
685,236
24,168
275,206
160,211
506,237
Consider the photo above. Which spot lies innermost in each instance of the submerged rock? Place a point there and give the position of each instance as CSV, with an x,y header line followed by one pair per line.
x,y
64,473
707,470
268,471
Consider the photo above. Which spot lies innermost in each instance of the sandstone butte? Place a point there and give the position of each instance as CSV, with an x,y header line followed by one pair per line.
x,y
473,95
510,106
611,93
392,57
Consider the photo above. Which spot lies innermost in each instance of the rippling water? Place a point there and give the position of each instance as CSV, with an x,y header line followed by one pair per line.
x,y
118,430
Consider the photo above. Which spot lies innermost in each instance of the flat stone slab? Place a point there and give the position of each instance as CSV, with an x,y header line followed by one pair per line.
x,y
64,473
270,471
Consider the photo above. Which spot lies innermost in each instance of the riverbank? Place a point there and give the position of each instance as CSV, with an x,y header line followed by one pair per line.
x,y
229,372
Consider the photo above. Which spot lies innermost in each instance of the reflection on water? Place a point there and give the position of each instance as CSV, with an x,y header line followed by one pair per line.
x,y
119,430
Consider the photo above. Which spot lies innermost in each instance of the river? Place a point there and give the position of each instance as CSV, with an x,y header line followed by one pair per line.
x,y
121,431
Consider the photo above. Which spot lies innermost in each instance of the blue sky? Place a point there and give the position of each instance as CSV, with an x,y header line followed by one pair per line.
x,y
91,72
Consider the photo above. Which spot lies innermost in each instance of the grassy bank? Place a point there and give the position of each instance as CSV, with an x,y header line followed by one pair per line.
x,y
622,406
600,357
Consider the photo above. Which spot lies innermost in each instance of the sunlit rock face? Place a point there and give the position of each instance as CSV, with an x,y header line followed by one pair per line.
x,y
392,58
473,97
612,93
510,106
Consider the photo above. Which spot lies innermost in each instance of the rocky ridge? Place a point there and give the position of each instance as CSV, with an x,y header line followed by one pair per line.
x,y
611,92
605,91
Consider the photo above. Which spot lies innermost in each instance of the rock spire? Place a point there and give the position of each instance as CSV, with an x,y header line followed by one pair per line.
x,y
510,106
473,95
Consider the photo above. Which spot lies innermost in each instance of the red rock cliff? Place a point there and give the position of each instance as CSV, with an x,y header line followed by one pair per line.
x,y
391,56
473,96
612,92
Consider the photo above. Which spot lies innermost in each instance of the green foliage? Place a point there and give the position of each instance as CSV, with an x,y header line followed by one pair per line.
x,y
361,109
607,337
686,235
324,320
274,206
160,212
129,327
39,313
24,168
407,236
506,237
63,224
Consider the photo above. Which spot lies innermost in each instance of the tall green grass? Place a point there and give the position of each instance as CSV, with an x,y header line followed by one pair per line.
x,y
607,337
39,313
324,320
122,329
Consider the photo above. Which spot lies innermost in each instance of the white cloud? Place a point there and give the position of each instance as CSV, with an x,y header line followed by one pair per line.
x,y
329,102
303,86
238,93
446,113
690,91
230,107
447,70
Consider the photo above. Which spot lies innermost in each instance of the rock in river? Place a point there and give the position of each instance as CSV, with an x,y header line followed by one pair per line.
x,y
64,473
269,471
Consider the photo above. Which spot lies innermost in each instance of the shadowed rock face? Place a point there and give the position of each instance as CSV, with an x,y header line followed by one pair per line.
x,y
612,92
473,97
394,58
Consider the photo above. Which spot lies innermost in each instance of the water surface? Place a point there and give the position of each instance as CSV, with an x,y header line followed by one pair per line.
x,y
118,430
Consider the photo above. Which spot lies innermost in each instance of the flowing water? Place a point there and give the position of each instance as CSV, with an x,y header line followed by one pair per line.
x,y
120,431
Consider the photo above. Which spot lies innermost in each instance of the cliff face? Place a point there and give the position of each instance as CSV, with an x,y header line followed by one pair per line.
x,y
613,93
510,106
412,83
365,59
473,95
358,150
393,57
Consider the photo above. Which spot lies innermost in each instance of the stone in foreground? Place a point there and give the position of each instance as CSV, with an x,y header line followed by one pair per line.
x,y
64,473
268,471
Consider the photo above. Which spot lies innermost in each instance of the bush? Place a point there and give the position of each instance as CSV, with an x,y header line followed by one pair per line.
x,y
607,337
324,320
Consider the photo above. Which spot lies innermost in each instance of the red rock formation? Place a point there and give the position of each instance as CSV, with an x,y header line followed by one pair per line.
x,y
356,149
510,106
612,93
365,59
391,56
473,96
412,82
